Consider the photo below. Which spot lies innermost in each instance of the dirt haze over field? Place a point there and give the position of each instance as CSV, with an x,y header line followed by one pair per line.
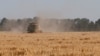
x,y
50,44
55,25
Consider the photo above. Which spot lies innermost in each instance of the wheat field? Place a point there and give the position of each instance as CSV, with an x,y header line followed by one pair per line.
x,y
50,44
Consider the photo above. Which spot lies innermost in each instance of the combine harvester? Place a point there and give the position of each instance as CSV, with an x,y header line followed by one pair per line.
x,y
34,27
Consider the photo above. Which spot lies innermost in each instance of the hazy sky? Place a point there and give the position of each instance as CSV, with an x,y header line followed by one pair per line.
x,y
50,8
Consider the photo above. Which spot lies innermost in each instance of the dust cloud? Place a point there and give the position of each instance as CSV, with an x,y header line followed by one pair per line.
x,y
53,21
55,25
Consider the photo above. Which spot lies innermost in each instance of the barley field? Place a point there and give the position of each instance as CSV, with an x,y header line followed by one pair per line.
x,y
50,44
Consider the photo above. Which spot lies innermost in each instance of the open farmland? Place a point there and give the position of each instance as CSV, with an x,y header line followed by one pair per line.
x,y
50,44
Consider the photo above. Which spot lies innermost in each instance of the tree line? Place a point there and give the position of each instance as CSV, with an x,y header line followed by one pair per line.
x,y
77,24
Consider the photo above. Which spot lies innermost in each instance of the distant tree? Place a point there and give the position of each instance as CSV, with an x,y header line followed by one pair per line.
x,y
97,23
84,24
76,24
29,20
81,24
77,20
91,26
3,22
19,21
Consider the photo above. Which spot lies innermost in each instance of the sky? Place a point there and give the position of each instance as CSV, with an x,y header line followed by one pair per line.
x,y
50,9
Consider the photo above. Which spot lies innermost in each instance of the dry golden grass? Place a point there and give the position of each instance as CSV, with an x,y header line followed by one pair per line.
x,y
50,44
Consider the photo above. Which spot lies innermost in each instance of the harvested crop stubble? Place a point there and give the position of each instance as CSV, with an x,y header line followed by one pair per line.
x,y
50,44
